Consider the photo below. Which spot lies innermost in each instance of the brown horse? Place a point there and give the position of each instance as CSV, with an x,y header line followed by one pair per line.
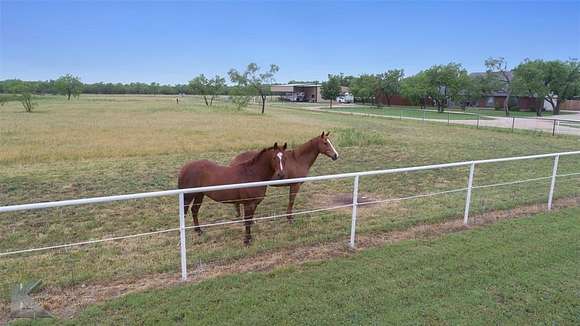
x,y
268,164
298,163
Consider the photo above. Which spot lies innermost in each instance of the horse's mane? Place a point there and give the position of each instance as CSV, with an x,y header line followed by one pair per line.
x,y
254,158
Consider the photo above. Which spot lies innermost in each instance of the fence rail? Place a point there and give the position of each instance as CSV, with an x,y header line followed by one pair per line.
x,y
355,175
480,119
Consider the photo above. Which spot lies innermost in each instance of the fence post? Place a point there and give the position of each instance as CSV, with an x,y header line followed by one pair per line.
x,y
513,123
554,128
182,238
448,118
477,121
354,207
400,114
423,115
468,197
553,184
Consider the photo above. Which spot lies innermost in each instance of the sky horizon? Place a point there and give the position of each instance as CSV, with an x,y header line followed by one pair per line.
x,y
172,42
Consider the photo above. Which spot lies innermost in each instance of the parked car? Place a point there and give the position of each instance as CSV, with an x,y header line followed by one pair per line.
x,y
346,98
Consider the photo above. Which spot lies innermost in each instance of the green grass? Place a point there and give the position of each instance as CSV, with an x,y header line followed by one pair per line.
x,y
501,113
413,112
108,145
404,112
517,272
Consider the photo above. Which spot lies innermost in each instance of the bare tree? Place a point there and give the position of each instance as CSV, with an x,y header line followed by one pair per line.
x,y
497,71
252,78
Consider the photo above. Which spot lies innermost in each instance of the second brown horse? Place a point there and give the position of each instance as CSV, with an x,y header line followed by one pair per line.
x,y
268,164
298,163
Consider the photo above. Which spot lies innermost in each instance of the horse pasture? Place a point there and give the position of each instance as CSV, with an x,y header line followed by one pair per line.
x,y
110,145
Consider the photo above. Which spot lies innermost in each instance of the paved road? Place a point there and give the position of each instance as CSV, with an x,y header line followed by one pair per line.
x,y
569,126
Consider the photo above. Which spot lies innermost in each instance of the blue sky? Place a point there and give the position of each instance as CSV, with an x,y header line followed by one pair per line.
x,y
171,42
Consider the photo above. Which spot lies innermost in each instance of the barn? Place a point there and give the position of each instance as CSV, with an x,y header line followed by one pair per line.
x,y
297,92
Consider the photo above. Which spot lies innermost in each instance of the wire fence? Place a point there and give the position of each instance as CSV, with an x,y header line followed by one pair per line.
x,y
553,125
323,213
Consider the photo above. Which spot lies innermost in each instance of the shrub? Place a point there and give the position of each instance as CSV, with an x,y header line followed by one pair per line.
x,y
26,100
240,96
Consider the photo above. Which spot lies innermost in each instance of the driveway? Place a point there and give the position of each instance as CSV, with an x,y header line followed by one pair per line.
x,y
568,124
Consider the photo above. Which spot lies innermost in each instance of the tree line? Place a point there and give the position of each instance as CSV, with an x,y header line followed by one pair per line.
x,y
554,81
52,87
252,81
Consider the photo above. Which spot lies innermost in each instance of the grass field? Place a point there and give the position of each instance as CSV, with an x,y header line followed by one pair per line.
x,y
501,113
412,112
517,272
108,145
405,112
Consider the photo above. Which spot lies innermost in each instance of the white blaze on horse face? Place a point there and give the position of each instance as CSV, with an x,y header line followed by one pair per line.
x,y
279,155
333,149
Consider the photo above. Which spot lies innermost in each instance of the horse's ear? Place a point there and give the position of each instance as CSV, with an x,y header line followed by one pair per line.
x,y
275,145
327,133
285,146
322,135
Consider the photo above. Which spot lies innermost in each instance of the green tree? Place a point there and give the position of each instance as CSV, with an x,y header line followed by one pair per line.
x,y
416,89
252,79
69,85
364,87
211,88
500,79
554,81
389,83
560,80
331,88
345,80
473,89
446,83
153,86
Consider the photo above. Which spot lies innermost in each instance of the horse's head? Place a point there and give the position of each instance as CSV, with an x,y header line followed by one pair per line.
x,y
278,161
325,146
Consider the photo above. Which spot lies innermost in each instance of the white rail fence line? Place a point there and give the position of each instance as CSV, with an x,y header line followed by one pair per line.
x,y
356,175
553,122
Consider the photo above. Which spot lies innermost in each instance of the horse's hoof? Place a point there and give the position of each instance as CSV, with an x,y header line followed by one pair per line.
x,y
247,242
199,232
290,220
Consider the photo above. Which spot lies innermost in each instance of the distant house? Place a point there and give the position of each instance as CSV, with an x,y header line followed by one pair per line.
x,y
497,98
297,92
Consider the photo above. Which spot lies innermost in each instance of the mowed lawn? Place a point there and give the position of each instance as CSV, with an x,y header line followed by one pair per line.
x,y
516,272
404,112
413,112
110,145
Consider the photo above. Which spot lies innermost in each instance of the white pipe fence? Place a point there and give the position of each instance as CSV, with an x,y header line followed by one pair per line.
x,y
551,124
356,175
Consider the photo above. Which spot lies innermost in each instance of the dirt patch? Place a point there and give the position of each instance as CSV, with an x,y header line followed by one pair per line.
x,y
65,303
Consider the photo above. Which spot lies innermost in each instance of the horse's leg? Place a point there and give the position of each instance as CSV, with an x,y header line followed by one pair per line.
x,y
294,189
197,200
249,209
